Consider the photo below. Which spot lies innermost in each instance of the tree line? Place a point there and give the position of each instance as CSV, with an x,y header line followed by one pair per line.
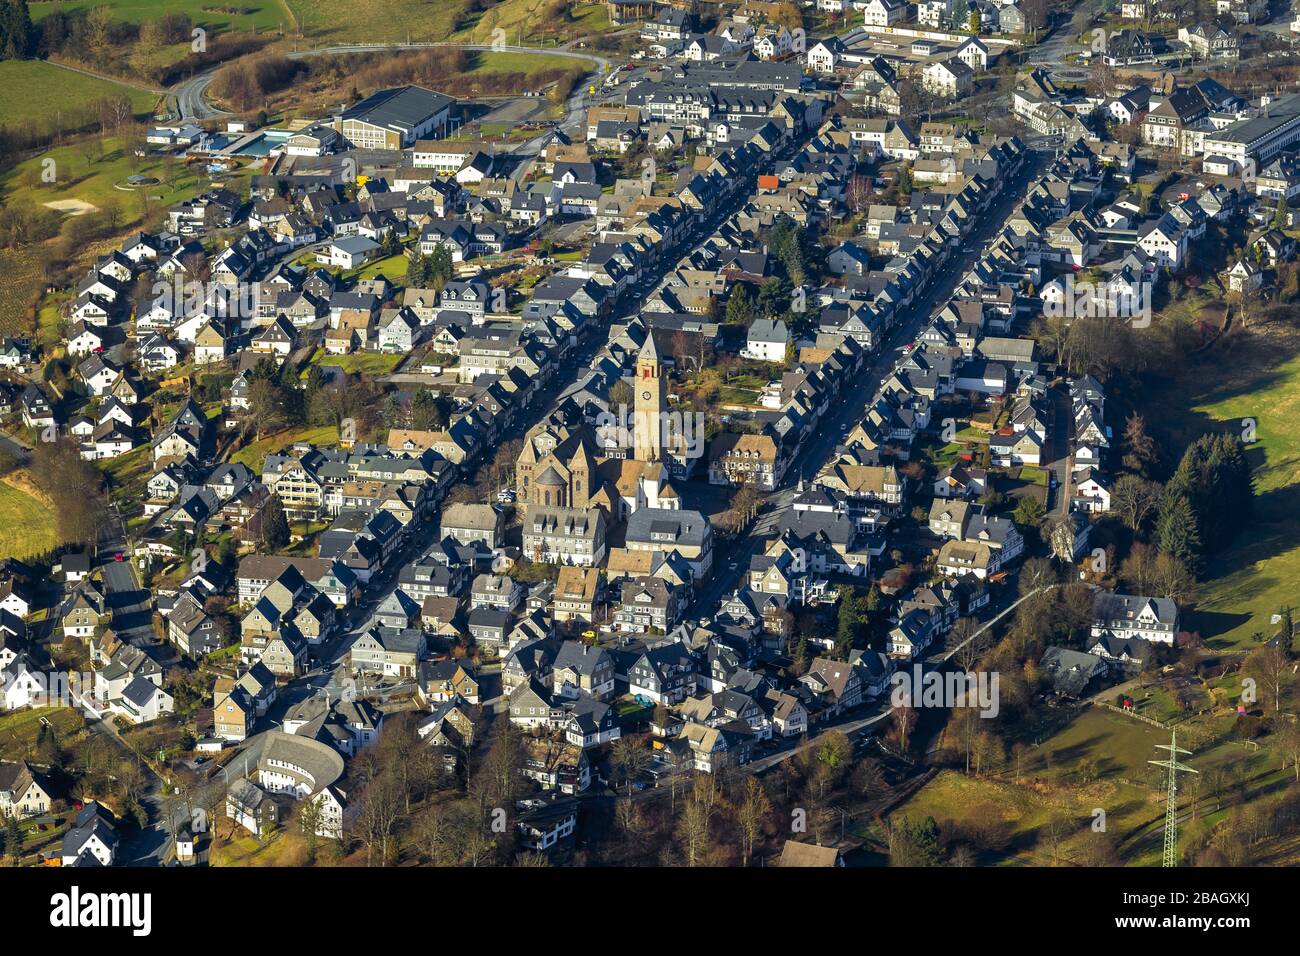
x,y
1178,524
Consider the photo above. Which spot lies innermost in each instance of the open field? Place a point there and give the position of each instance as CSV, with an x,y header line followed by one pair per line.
x,y
1247,583
27,526
35,90
486,63
127,474
536,20
343,21
244,16
1097,761
1019,814
523,20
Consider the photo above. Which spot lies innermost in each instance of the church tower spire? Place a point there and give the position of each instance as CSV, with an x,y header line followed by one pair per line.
x,y
649,402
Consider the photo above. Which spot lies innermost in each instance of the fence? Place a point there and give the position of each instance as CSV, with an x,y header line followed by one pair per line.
x,y
1131,713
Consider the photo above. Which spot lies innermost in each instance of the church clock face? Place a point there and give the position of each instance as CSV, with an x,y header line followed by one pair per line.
x,y
645,396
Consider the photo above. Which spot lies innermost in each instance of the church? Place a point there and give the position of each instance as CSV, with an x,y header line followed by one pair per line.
x,y
570,467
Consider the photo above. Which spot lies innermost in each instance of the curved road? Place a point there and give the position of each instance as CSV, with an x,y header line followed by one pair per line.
x,y
192,102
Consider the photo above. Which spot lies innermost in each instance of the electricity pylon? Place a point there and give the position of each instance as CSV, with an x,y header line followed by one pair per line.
x,y
1171,807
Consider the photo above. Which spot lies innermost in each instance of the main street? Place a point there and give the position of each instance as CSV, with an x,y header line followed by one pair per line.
x,y
731,559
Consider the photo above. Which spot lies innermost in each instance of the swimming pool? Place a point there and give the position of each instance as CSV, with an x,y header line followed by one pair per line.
x,y
263,144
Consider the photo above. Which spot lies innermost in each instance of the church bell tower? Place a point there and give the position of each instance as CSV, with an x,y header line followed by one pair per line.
x,y
649,403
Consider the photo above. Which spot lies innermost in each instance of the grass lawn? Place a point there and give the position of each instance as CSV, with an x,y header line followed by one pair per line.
x,y
253,454
526,63
392,268
1120,748
940,454
737,396
235,846
94,178
1033,476
49,320
626,706
1246,584
368,363
36,90
950,798
343,19
27,526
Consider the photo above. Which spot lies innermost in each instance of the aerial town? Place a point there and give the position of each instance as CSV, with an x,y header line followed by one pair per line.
x,y
656,433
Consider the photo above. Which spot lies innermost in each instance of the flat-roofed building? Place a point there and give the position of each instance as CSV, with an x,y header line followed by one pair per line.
x,y
395,118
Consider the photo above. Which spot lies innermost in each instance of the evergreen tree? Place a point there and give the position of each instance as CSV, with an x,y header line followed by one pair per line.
x,y
1215,478
851,620
1177,533
1029,512
391,245
417,270
739,310
440,268
275,526
915,843
774,296
799,660
16,31
14,838
787,244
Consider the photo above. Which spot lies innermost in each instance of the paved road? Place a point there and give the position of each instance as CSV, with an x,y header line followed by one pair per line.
x,y
132,605
1057,451
1051,52
15,447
